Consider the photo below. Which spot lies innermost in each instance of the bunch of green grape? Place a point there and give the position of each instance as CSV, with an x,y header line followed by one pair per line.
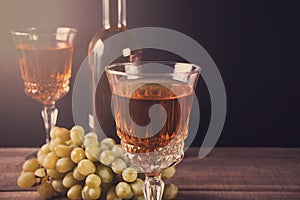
x,y
77,165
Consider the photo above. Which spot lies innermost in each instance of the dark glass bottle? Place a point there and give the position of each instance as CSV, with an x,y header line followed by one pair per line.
x,y
113,22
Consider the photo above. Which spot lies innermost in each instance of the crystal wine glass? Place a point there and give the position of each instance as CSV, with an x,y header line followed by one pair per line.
x,y
45,60
152,103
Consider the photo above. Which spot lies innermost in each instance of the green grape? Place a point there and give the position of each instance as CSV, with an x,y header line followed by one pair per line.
x,y
117,150
92,152
129,174
77,154
40,153
103,147
64,165
118,166
77,136
91,193
75,192
86,167
168,173
123,190
77,175
107,157
94,193
62,150
30,165
52,132
105,173
49,162
46,190
109,141
93,181
170,192
58,186
53,143
53,173
90,141
63,134
85,194
137,187
45,149
69,180
40,172
26,180
91,135
40,158
111,194
79,129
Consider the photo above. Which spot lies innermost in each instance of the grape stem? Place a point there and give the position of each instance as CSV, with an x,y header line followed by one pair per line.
x,y
49,114
153,187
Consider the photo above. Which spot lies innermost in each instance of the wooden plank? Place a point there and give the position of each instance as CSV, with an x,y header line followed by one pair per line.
x,y
237,195
256,169
225,169
184,195
11,166
32,195
253,152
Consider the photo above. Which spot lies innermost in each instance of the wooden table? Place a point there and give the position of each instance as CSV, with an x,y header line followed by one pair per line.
x,y
227,173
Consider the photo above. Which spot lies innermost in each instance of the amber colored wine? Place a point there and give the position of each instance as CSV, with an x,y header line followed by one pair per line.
x,y
174,96
46,71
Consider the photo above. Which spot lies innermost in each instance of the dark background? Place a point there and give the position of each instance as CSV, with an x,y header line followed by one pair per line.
x,y
254,43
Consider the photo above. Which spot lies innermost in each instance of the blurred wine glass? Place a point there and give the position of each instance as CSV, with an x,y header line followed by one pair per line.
x,y
45,59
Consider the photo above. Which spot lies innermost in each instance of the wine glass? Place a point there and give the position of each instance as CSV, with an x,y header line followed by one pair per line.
x,y
152,103
45,59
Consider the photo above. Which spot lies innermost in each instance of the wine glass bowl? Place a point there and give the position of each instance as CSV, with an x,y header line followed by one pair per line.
x,y
152,103
45,60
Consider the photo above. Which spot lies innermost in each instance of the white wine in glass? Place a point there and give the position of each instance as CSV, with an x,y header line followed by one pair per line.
x,y
152,103
45,60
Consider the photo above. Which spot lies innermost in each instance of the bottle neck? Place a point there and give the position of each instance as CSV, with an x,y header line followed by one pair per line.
x,y
114,13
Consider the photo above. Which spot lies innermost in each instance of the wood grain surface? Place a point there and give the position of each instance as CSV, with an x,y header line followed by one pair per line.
x,y
226,173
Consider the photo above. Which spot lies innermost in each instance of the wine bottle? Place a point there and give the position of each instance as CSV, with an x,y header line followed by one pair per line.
x,y
113,22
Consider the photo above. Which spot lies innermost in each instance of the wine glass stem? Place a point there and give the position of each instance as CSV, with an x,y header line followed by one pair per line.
x,y
153,187
49,114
